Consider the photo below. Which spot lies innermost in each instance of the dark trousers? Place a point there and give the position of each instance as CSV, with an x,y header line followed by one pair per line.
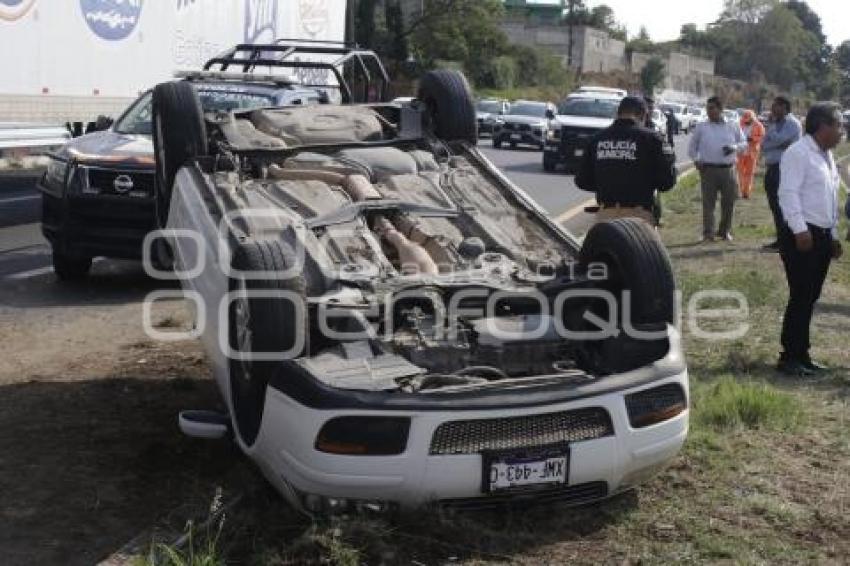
x,y
771,188
714,181
806,273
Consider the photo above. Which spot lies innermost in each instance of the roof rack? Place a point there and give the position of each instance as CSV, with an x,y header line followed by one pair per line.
x,y
288,54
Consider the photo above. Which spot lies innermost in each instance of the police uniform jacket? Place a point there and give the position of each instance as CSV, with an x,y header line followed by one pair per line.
x,y
625,164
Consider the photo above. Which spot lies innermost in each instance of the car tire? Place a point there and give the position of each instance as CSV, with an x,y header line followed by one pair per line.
x,y
179,135
513,145
451,109
497,143
262,325
70,267
548,163
637,262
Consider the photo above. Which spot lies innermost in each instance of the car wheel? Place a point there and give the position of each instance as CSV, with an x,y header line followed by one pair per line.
x,y
179,136
261,325
513,145
637,262
497,143
451,110
70,267
548,163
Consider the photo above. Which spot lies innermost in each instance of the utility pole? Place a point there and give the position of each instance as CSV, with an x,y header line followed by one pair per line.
x,y
571,8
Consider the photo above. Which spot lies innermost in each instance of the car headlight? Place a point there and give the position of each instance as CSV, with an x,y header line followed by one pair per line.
x,y
364,436
553,134
55,177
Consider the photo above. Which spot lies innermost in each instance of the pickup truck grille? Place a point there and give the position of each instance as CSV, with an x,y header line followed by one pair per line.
x,y
130,183
574,132
517,127
476,436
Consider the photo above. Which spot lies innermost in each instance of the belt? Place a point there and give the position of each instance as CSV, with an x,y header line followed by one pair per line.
x,y
819,231
619,205
717,165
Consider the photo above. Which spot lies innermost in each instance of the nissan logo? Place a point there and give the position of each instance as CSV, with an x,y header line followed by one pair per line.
x,y
122,184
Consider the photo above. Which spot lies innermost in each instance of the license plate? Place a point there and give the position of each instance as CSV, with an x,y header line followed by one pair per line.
x,y
515,471
517,137
579,152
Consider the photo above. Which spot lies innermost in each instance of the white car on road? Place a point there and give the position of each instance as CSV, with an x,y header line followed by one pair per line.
x,y
392,323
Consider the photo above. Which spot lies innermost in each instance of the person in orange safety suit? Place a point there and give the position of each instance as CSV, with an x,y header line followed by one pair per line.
x,y
754,132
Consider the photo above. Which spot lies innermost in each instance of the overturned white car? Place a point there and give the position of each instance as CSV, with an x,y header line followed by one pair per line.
x,y
392,323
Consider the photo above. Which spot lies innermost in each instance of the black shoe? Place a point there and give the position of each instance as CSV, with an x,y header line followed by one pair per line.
x,y
772,247
814,366
794,368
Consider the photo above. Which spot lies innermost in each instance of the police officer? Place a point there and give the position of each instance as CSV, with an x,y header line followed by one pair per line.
x,y
625,164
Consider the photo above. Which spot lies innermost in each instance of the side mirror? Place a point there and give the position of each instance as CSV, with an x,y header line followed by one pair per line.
x,y
550,114
101,123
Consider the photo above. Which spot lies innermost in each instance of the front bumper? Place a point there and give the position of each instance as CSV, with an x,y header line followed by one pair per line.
x,y
87,216
528,137
566,153
598,467
97,225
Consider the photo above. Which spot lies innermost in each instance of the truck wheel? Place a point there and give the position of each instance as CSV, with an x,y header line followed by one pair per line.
x,y
451,110
179,136
262,325
70,267
636,261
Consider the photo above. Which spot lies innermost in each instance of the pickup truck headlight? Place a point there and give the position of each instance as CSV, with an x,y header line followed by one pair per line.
x,y
54,179
364,436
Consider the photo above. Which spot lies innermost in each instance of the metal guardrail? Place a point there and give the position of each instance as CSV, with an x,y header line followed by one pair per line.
x,y
32,136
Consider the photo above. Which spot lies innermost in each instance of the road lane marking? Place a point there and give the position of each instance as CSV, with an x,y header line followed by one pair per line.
x,y
30,273
19,199
37,272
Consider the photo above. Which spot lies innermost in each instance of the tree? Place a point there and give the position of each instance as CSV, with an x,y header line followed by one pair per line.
x,y
746,11
466,31
815,64
642,43
652,75
780,42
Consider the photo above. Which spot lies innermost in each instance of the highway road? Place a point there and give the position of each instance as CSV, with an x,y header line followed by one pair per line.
x,y
24,253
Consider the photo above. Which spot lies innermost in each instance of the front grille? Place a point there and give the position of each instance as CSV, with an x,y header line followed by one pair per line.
x,y
572,132
104,181
476,436
571,495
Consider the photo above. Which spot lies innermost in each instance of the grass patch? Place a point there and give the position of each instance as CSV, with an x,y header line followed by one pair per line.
x,y
728,404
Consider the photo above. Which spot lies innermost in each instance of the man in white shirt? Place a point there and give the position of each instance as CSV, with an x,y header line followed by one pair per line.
x,y
808,242
714,148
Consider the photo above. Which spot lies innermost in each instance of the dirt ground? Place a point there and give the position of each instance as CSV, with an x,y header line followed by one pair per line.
x,y
90,451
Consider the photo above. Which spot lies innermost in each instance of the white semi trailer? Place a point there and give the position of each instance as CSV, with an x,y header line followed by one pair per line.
x,y
72,60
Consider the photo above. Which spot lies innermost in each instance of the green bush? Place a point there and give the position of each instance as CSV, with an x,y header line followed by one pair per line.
x,y
728,404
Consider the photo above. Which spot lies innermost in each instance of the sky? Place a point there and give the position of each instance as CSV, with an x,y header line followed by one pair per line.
x,y
664,18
